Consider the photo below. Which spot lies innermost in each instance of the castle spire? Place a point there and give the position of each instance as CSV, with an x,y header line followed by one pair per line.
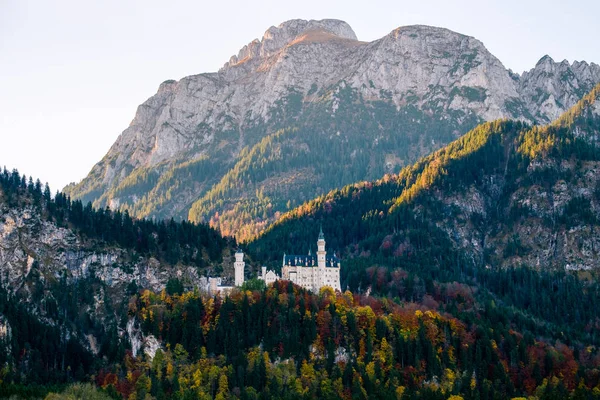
x,y
321,236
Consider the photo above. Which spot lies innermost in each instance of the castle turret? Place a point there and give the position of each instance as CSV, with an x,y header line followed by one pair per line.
x,y
263,274
239,267
321,249
321,258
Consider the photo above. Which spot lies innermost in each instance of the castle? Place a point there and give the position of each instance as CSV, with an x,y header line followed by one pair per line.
x,y
214,285
310,271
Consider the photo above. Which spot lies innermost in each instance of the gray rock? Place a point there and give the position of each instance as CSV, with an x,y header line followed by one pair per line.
x,y
35,255
551,88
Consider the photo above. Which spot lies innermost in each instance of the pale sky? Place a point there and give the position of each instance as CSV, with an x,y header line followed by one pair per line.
x,y
72,72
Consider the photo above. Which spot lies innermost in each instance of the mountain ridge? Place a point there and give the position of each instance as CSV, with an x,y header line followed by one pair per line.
x,y
416,89
275,38
503,195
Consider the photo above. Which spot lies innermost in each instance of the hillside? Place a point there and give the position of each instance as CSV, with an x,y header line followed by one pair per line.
x,y
504,195
307,109
287,343
503,184
66,274
142,339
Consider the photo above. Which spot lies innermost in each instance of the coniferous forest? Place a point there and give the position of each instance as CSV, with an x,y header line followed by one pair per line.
x,y
168,240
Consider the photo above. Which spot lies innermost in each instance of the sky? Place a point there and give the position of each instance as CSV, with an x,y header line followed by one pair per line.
x,y
72,72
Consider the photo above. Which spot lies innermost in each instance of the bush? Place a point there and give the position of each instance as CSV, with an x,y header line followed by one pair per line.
x,y
79,391
254,285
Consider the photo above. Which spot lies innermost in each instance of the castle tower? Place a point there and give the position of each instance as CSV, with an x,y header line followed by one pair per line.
x,y
321,256
239,267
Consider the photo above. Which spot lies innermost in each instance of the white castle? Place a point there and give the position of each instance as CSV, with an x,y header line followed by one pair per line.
x,y
308,271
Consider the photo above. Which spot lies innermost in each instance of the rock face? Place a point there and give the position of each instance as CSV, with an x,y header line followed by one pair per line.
x,y
185,140
542,238
436,65
33,248
550,88
40,261
550,213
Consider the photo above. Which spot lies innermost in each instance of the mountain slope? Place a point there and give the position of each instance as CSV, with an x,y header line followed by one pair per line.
x,y
510,209
66,275
505,194
385,103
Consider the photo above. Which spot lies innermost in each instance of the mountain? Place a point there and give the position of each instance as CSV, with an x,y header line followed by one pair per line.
x,y
310,108
551,88
504,195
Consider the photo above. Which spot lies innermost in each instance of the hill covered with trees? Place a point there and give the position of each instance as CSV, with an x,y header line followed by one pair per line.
x,y
67,271
505,194
285,342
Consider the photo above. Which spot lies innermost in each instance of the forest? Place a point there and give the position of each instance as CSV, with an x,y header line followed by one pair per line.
x,y
43,314
285,342
168,240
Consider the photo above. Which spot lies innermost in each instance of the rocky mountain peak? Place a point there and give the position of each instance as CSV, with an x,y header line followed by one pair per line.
x,y
433,37
167,86
546,60
433,66
277,37
410,30
295,27
551,87
548,65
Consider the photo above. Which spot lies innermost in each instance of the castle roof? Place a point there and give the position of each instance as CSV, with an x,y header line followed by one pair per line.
x,y
309,261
